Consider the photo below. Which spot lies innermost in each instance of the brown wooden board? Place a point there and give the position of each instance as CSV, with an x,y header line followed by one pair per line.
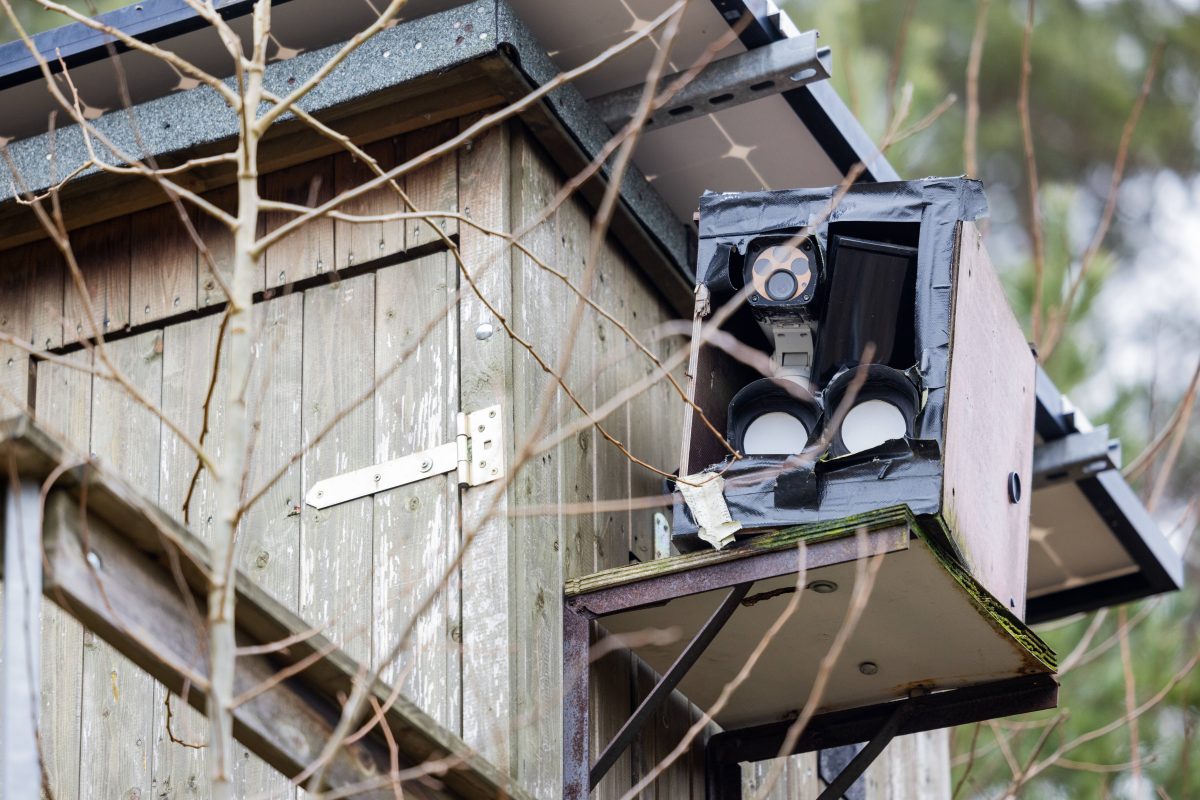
x,y
309,251
163,264
358,243
988,428
103,254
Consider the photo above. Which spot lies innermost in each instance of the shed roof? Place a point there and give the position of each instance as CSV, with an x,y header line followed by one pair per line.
x,y
814,139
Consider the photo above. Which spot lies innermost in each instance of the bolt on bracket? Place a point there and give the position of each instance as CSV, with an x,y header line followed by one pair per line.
x,y
476,454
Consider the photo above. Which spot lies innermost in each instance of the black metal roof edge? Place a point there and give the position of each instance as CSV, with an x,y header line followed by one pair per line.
x,y
819,107
1160,566
77,44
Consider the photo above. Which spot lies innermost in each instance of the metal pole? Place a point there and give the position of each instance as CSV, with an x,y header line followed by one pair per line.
x,y
22,640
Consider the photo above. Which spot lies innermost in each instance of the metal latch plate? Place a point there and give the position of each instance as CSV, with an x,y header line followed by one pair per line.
x,y
477,454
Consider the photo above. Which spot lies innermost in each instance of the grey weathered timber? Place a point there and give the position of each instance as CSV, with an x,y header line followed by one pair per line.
x,y
336,542
21,656
416,526
358,243
189,354
433,187
65,409
119,700
541,311
485,375
269,536
308,251
139,581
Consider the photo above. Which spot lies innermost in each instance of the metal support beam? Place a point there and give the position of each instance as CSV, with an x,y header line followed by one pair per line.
x,y
1075,457
22,637
662,690
761,72
858,765
946,709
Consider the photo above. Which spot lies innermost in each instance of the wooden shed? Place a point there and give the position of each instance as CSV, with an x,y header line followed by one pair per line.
x,y
429,340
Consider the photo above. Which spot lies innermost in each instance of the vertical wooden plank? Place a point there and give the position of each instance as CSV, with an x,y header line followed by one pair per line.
x,y
31,310
433,187
416,526
336,542
163,265
308,251
117,697
485,379
103,254
218,241
912,766
578,452
64,407
189,352
611,355
612,677
541,544
269,537
359,243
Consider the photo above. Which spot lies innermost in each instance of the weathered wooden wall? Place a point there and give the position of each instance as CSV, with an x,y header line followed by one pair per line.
x,y
340,306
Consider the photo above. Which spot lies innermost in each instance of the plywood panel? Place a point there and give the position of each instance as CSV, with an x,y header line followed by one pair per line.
x,y
103,254
63,399
433,187
988,427
118,699
336,542
360,243
416,526
308,251
163,269
485,379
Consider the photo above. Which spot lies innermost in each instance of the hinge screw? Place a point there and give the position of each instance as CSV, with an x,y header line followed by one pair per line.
x,y
426,465
377,476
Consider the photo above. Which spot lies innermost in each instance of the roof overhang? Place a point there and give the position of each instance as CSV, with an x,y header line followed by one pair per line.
x,y
1093,544
515,47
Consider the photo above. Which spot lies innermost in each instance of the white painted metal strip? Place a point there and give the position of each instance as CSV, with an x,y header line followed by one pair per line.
x,y
388,475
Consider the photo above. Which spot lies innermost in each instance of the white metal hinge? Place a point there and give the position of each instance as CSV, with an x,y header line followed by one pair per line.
x,y
476,454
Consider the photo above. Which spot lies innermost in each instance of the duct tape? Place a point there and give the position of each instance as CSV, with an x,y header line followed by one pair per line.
x,y
704,493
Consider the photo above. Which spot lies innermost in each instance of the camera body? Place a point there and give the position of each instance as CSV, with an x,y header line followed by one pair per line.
x,y
863,299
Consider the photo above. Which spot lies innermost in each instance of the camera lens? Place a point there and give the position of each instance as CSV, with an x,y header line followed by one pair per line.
x,y
781,285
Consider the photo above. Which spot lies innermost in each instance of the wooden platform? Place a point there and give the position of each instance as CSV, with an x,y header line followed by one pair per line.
x,y
928,625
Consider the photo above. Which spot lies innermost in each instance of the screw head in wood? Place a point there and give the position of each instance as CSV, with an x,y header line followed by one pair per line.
x,y
823,587
484,331
868,668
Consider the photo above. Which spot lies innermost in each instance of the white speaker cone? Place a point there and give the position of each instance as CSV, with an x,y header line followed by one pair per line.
x,y
774,433
871,423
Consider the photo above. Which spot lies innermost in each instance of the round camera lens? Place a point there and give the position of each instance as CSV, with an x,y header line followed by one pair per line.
x,y
781,285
